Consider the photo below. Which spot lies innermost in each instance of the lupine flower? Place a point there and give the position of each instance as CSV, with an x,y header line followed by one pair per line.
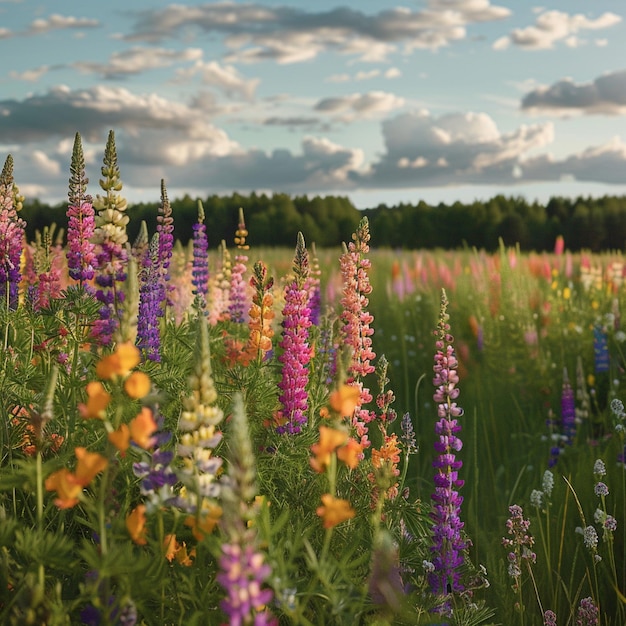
x,y
296,352
11,237
150,294
199,435
43,269
165,230
587,613
81,256
547,483
110,234
237,305
408,434
260,316
200,261
447,540
568,410
600,350
519,545
312,286
220,288
243,570
356,330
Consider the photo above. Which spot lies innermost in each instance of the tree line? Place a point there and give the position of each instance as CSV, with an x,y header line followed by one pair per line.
x,y
274,220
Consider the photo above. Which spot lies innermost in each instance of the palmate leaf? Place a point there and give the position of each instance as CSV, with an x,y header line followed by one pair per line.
x,y
44,547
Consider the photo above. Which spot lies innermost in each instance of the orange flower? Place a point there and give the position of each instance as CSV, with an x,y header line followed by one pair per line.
x,y
334,510
89,465
142,428
137,385
136,525
345,399
120,438
66,486
207,522
171,547
97,401
330,440
351,453
120,363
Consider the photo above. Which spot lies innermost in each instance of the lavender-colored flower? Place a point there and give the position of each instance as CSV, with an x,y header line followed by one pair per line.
x,y
519,544
587,613
549,618
600,489
408,434
150,293
11,237
296,352
313,287
448,542
568,410
599,468
81,256
590,538
600,350
200,262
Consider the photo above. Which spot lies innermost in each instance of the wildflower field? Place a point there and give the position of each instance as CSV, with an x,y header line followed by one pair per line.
x,y
218,434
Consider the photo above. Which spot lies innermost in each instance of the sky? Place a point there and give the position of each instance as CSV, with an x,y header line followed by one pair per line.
x,y
435,100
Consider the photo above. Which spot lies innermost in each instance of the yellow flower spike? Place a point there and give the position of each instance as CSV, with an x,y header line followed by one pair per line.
x,y
137,385
142,428
89,465
120,438
136,525
97,401
334,511
567,292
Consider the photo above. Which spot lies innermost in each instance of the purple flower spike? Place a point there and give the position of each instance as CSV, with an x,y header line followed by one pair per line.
x,y
448,543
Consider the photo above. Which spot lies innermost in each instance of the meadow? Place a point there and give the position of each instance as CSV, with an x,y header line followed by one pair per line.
x,y
218,434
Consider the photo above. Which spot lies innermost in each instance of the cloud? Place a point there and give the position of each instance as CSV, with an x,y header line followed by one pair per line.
x,y
224,77
551,27
360,105
457,148
605,95
30,75
284,34
138,59
93,111
390,73
45,164
59,22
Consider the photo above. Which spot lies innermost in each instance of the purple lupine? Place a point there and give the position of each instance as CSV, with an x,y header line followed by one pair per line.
x,y
11,237
200,261
587,613
448,542
243,570
600,350
165,229
237,305
568,410
112,257
81,256
296,352
150,294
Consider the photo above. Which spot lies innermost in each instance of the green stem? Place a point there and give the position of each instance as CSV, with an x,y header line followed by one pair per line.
x,y
39,478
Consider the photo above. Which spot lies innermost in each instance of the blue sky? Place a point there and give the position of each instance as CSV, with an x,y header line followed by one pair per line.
x,y
440,100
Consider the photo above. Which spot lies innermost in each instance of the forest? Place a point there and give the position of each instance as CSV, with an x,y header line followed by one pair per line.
x,y
587,223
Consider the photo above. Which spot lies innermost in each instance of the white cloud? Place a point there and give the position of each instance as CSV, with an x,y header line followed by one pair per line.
x,y
605,95
30,75
138,59
552,27
59,22
360,105
45,164
284,34
224,77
